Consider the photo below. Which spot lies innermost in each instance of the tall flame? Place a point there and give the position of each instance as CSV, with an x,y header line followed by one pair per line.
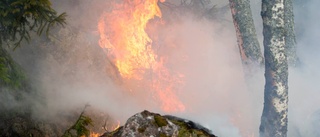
x,y
128,46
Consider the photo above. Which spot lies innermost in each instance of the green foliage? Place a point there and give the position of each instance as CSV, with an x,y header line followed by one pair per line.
x,y
186,131
10,73
80,127
4,75
19,17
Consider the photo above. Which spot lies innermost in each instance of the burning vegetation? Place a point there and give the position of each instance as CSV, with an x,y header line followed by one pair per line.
x,y
124,38
137,61
169,56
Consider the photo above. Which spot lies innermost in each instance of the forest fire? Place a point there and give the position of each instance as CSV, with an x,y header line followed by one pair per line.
x,y
129,48
94,135
106,128
175,61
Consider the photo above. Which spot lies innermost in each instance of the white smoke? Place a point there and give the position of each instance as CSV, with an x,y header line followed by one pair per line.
x,y
71,73
303,102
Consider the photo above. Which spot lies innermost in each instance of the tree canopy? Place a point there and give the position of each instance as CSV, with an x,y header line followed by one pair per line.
x,y
20,17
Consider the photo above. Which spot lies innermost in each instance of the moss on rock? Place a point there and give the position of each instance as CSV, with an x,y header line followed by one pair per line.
x,y
142,129
160,121
186,130
152,124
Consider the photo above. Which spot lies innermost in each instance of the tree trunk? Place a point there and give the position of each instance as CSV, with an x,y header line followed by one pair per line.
x,y
246,34
250,52
274,118
290,35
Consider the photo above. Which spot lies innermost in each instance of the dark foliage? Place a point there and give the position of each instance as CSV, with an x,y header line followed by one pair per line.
x,y
20,17
80,126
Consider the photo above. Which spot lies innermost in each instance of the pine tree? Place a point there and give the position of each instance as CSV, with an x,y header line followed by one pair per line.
x,y
19,17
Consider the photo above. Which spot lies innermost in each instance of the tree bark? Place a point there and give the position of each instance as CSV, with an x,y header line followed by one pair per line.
x,y
246,34
290,35
249,49
274,118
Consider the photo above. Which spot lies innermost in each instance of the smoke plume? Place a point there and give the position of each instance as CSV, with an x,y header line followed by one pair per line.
x,y
69,70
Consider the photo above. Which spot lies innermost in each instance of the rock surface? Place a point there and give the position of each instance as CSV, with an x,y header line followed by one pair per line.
x,y
148,124
23,126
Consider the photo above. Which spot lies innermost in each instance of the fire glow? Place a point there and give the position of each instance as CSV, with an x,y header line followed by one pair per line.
x,y
129,48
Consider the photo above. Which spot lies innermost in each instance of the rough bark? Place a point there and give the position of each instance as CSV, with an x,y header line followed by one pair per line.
x,y
249,48
245,30
274,118
290,34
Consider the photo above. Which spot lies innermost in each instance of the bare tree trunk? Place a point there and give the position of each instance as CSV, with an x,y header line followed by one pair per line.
x,y
250,51
274,118
290,35
246,34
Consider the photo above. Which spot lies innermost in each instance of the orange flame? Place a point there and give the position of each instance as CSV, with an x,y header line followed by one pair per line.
x,y
92,134
113,128
117,126
128,46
